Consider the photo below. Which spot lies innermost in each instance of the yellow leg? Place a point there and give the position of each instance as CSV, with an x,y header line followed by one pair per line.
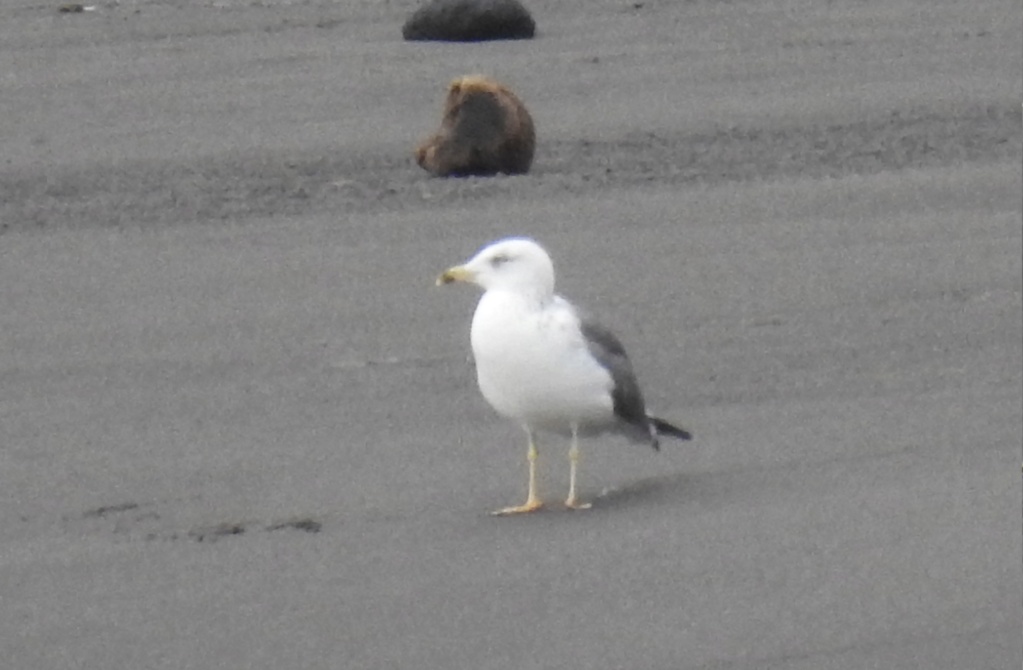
x,y
573,463
533,502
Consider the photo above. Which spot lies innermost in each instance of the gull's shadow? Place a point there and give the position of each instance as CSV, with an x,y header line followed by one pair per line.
x,y
674,488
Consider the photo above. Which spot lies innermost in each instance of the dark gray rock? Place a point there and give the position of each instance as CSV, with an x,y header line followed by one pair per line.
x,y
469,21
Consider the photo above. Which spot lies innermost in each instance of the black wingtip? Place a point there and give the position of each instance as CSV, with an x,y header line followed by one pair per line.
x,y
664,428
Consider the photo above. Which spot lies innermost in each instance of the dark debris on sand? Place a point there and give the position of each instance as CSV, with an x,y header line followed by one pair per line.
x,y
469,21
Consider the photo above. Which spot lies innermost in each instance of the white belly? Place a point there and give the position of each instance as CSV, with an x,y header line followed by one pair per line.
x,y
533,365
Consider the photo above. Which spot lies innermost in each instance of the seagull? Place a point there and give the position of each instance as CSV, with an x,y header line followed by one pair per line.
x,y
543,363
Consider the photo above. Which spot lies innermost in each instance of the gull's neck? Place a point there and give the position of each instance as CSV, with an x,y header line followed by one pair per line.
x,y
537,297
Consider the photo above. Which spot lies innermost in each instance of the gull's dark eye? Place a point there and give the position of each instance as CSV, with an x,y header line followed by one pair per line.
x,y
499,260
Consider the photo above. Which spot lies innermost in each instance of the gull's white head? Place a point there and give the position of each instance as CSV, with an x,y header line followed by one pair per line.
x,y
512,264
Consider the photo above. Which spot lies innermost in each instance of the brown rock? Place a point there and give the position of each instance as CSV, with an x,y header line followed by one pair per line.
x,y
485,130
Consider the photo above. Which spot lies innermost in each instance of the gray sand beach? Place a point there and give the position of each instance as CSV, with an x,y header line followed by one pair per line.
x,y
239,427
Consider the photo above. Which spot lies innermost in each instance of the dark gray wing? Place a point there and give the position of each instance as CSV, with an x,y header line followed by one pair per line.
x,y
607,349
609,352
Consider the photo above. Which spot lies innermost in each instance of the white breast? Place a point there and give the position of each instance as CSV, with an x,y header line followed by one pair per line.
x,y
533,365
